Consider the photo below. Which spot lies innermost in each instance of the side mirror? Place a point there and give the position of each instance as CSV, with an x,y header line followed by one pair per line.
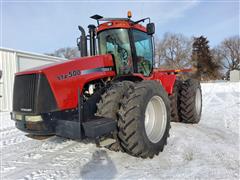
x,y
150,28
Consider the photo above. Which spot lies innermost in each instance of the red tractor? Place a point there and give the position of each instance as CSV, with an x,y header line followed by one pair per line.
x,y
114,95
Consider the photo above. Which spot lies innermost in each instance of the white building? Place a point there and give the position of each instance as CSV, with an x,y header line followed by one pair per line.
x,y
12,61
235,76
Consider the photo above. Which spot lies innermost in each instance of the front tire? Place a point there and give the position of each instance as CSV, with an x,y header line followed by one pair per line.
x,y
144,119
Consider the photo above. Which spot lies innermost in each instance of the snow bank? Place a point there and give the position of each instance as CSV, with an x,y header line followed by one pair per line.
x,y
221,105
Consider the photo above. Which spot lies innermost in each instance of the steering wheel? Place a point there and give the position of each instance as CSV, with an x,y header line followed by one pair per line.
x,y
124,54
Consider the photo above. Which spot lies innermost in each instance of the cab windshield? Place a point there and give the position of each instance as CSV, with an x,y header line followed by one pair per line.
x,y
116,42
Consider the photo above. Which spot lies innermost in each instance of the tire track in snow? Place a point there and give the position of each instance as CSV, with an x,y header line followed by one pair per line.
x,y
13,140
46,174
26,160
64,156
9,132
47,166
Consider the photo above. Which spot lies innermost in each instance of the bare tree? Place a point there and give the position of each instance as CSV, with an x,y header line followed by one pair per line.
x,y
173,51
159,51
68,53
229,53
217,59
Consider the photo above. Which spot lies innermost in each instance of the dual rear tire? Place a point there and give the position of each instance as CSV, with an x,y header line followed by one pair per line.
x,y
143,112
190,106
109,106
143,117
186,101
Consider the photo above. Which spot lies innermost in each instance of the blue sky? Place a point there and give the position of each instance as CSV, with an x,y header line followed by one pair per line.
x,y
44,26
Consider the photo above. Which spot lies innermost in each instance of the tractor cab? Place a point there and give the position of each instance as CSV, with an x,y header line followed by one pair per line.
x,y
130,43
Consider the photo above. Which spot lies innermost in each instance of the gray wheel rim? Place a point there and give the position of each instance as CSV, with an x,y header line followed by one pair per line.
x,y
155,119
198,101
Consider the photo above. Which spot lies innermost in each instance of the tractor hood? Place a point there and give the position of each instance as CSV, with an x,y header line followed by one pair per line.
x,y
56,86
84,63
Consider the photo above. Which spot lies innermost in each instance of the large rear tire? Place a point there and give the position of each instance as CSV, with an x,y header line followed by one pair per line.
x,y
110,103
191,101
175,101
144,119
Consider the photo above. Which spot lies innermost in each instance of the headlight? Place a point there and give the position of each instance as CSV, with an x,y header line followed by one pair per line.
x,y
33,118
18,117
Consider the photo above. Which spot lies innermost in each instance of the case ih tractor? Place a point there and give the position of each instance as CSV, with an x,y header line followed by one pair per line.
x,y
112,95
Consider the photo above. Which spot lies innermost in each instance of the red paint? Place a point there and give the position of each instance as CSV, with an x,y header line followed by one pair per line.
x,y
120,24
65,91
167,80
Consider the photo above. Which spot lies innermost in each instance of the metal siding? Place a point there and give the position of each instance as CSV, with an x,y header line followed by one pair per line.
x,y
9,68
10,63
29,62
235,75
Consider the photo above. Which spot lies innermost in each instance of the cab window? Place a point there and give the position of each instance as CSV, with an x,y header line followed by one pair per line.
x,y
116,42
144,52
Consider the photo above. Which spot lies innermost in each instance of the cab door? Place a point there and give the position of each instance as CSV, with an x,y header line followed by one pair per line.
x,y
143,58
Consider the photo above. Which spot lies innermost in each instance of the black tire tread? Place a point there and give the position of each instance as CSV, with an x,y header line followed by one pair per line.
x,y
187,101
129,113
175,102
109,105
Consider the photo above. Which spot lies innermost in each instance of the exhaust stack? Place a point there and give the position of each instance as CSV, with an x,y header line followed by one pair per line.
x,y
82,42
92,28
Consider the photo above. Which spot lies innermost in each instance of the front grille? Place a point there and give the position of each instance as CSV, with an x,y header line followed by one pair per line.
x,y
24,93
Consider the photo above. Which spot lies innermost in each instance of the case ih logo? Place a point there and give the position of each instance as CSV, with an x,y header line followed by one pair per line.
x,y
69,74
27,110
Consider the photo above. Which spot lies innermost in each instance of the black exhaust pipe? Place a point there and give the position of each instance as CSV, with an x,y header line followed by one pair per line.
x,y
82,42
92,28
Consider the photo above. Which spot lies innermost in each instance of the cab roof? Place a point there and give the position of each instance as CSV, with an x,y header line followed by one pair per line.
x,y
113,23
120,23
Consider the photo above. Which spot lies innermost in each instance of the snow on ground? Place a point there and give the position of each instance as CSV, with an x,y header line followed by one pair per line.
x,y
209,149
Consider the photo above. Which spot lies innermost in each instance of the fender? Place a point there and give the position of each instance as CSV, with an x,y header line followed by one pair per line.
x,y
167,80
